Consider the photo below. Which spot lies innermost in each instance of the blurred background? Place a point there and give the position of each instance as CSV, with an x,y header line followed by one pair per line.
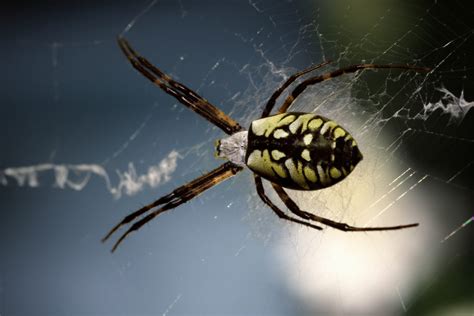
x,y
86,139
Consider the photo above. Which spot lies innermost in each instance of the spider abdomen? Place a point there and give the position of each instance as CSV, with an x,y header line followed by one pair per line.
x,y
301,151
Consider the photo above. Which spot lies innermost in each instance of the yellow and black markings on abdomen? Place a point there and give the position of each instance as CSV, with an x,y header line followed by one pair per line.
x,y
301,151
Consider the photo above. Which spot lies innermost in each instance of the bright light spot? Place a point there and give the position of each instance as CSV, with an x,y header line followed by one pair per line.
x,y
359,273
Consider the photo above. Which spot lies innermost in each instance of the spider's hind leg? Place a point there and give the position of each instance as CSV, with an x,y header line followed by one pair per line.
x,y
271,102
177,197
339,72
294,208
279,212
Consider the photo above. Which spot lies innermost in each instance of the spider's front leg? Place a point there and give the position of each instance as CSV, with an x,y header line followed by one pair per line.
x,y
177,197
183,94
293,207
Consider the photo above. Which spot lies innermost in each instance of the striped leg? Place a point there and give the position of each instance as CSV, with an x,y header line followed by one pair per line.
x,y
271,102
294,208
279,212
183,94
179,196
351,69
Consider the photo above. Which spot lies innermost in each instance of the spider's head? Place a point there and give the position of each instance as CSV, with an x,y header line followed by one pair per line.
x,y
233,148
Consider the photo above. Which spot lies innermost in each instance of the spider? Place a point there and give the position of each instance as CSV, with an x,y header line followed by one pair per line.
x,y
294,150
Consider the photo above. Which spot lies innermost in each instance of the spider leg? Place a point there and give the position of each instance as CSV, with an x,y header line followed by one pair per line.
x,y
271,102
337,225
336,73
177,197
183,94
279,212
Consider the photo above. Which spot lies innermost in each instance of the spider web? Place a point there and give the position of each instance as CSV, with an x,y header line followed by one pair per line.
x,y
414,129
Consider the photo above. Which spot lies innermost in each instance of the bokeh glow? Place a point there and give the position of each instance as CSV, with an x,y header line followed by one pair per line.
x,y
334,271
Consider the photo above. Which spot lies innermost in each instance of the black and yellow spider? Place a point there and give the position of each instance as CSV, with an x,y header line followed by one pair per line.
x,y
300,151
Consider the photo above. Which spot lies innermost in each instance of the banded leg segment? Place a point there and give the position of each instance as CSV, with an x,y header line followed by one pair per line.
x,y
279,212
294,208
174,199
351,69
183,94
271,102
